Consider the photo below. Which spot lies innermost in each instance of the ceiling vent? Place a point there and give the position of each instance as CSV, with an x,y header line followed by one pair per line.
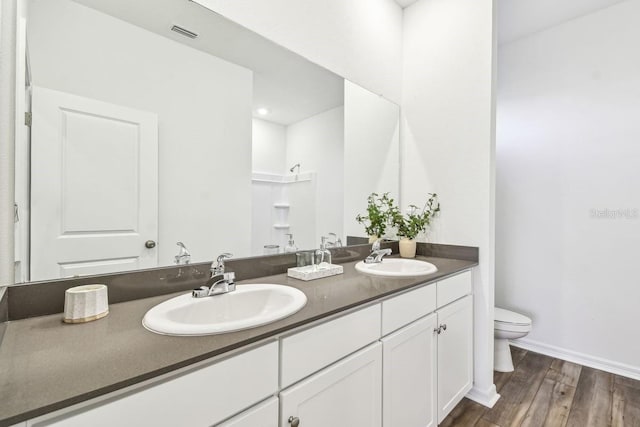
x,y
184,32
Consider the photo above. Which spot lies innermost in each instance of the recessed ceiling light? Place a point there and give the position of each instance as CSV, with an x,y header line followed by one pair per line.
x,y
263,111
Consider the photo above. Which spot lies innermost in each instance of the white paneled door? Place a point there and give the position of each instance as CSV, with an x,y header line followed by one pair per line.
x,y
94,186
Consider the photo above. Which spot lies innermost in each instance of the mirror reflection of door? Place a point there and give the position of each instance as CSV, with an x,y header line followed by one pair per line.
x,y
208,92
94,186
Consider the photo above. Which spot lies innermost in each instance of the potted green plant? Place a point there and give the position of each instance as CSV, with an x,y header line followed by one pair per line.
x,y
414,222
380,213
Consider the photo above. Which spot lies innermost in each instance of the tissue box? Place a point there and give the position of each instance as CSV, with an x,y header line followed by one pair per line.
x,y
312,272
85,303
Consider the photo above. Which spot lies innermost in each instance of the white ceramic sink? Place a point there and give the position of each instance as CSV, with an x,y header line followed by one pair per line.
x,y
246,307
397,267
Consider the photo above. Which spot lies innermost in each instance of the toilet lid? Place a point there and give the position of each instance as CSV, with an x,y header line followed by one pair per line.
x,y
506,316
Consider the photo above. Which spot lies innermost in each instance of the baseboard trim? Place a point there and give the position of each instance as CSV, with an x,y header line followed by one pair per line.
x,y
486,398
580,358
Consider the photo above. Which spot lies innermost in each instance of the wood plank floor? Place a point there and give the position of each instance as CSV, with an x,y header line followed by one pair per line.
x,y
543,391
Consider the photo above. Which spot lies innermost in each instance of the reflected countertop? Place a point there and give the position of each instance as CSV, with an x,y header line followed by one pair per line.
x,y
46,365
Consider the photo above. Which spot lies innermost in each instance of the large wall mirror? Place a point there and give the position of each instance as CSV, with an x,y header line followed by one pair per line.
x,y
159,121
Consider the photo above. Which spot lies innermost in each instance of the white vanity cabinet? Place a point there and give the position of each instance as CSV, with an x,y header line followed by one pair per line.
x,y
428,364
405,361
347,393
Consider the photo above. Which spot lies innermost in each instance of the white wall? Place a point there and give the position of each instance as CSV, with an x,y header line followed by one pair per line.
x,y
448,144
361,40
568,132
203,105
371,151
269,147
7,133
317,143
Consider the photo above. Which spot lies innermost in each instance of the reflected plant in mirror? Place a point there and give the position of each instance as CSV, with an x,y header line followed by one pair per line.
x,y
381,210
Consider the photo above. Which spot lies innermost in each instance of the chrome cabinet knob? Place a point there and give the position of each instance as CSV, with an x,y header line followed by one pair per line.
x,y
294,421
150,244
440,329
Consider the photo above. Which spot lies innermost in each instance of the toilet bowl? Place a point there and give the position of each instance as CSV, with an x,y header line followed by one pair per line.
x,y
507,325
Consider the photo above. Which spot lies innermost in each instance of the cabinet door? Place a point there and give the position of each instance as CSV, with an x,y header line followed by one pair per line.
x,y
347,393
264,414
455,354
409,375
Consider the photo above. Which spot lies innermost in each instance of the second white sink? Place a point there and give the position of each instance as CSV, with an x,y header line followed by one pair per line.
x,y
246,307
397,267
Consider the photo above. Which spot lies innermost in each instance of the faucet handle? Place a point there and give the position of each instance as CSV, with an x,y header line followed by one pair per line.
x,y
183,256
219,267
224,256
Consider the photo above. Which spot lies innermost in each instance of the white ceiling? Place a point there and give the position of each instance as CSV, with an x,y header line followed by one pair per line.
x,y
519,18
291,87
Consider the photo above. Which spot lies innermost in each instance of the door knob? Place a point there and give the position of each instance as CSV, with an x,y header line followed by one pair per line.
x,y
150,244
294,421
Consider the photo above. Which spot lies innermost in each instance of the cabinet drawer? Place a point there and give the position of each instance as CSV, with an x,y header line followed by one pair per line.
x,y
454,288
309,351
408,307
202,397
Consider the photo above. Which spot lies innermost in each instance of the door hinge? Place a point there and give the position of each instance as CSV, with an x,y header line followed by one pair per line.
x,y
28,117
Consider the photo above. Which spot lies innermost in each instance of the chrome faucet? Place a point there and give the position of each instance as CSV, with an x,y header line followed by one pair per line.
x,y
376,255
219,283
183,257
336,243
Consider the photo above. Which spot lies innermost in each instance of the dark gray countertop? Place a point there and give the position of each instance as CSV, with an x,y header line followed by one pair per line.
x,y
46,365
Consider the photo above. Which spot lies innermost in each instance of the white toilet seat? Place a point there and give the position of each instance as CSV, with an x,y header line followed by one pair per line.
x,y
505,320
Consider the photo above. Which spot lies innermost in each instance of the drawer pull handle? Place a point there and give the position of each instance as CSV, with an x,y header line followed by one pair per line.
x,y
294,421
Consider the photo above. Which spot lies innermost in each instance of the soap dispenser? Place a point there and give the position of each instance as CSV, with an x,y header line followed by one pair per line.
x,y
291,246
323,255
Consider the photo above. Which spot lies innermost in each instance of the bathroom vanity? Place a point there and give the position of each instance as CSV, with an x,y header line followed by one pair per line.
x,y
364,351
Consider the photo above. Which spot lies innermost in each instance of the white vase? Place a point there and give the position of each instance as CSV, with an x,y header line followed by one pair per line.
x,y
407,248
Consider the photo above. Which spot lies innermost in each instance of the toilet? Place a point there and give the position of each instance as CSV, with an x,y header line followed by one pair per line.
x,y
507,325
